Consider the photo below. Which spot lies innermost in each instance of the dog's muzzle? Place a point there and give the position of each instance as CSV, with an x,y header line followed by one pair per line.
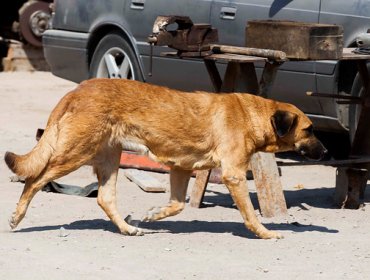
x,y
312,150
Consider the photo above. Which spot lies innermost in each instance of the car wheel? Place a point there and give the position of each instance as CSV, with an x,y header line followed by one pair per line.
x,y
114,58
355,109
34,17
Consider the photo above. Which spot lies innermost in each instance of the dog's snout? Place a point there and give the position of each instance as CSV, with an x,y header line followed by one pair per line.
x,y
313,149
325,154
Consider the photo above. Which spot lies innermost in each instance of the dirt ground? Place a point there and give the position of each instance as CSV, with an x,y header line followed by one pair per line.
x,y
69,237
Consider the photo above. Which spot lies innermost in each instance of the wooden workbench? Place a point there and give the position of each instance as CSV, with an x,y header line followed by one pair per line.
x,y
240,76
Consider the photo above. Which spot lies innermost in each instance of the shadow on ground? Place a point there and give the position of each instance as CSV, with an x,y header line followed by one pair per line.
x,y
318,198
181,227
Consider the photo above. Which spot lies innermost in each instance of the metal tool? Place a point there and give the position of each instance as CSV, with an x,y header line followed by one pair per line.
x,y
192,39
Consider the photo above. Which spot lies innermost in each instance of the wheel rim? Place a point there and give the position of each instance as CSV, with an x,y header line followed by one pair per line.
x,y
39,22
115,64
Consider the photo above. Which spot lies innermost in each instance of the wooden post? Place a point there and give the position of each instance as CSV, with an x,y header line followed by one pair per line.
x,y
350,186
268,78
269,189
213,74
341,186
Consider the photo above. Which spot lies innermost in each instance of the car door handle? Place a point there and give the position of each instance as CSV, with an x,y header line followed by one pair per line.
x,y
228,13
137,4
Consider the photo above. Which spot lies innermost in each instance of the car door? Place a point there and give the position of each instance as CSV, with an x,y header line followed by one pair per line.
x,y
140,16
294,79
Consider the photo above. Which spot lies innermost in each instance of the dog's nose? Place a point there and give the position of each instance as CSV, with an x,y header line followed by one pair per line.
x,y
324,154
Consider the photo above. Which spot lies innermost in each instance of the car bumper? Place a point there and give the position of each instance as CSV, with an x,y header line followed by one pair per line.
x,y
66,53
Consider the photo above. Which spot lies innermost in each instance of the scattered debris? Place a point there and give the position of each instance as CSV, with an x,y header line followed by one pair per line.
x,y
90,190
299,187
23,57
305,206
63,232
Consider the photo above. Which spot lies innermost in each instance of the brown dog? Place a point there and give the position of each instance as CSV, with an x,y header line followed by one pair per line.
x,y
186,131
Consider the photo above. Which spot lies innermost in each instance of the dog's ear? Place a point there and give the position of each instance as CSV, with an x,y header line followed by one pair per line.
x,y
283,122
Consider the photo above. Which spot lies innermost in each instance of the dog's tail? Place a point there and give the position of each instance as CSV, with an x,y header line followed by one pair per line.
x,y
32,164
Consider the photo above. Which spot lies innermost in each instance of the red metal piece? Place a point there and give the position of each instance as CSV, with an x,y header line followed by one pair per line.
x,y
133,160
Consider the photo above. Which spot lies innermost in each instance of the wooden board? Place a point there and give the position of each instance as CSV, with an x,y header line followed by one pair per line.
x,y
235,58
348,54
146,182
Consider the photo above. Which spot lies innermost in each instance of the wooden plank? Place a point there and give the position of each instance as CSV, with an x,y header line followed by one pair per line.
x,y
268,185
348,54
199,188
266,53
23,57
235,58
146,182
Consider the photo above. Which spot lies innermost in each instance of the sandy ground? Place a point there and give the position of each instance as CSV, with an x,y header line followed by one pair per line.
x,y
321,242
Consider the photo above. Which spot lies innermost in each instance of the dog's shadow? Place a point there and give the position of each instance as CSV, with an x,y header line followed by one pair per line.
x,y
319,198
235,228
180,227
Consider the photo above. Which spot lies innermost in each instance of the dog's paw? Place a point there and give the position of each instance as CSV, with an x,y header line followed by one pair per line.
x,y
272,235
133,231
152,214
132,228
13,223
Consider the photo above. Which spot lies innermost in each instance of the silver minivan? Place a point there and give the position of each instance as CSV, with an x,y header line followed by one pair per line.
x,y
100,38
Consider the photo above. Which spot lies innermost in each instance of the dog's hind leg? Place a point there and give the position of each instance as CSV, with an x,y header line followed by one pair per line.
x,y
31,187
179,180
106,168
236,182
55,169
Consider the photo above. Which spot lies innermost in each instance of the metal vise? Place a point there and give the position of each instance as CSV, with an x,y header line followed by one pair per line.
x,y
188,37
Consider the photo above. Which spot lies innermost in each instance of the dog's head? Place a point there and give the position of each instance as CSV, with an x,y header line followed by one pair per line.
x,y
294,131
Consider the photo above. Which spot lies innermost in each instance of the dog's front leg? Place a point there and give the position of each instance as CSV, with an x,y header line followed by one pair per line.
x,y
236,182
179,180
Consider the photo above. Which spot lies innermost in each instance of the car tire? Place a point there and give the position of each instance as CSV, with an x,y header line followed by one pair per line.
x,y
114,58
34,17
355,109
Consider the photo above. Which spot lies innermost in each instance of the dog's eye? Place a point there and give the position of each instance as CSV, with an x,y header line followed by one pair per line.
x,y
309,129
